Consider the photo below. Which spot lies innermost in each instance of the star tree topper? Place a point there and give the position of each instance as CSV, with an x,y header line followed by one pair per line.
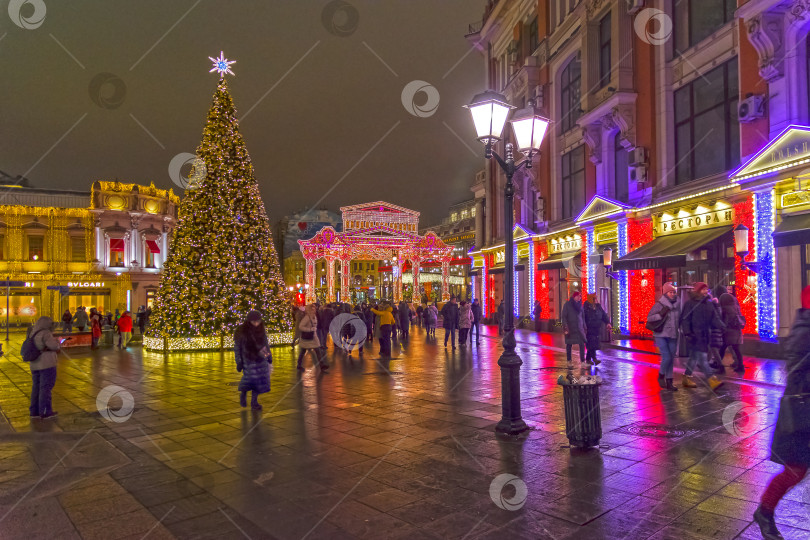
x,y
222,65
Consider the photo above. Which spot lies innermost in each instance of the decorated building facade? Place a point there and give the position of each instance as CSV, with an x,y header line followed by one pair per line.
x,y
671,128
374,232
105,247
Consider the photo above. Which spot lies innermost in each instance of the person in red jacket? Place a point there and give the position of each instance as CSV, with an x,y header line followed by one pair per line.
x,y
125,328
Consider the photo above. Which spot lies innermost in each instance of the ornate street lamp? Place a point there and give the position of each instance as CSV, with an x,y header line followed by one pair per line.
x,y
741,247
489,112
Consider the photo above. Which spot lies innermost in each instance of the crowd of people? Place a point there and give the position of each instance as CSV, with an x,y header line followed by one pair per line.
x,y
710,322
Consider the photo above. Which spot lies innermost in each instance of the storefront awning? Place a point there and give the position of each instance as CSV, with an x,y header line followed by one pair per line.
x,y
558,261
668,251
793,231
116,244
152,246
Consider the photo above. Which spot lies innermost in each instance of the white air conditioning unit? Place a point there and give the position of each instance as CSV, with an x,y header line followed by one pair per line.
x,y
750,109
637,156
637,174
634,6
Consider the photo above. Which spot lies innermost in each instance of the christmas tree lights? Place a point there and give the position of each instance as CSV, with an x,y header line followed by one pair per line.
x,y
222,262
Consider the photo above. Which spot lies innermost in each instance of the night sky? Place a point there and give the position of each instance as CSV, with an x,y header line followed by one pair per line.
x,y
318,89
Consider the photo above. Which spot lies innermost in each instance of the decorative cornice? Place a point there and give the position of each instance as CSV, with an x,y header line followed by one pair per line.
x,y
766,34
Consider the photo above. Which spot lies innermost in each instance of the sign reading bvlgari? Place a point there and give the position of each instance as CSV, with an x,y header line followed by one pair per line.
x,y
686,221
572,242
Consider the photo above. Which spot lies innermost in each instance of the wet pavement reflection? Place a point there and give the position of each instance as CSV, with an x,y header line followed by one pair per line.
x,y
384,448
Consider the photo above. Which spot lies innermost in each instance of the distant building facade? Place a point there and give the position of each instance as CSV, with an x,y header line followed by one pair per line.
x,y
107,246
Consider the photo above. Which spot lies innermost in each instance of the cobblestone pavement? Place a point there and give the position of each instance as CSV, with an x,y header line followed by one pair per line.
x,y
381,449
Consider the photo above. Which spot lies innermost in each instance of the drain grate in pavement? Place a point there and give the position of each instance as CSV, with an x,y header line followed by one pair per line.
x,y
661,431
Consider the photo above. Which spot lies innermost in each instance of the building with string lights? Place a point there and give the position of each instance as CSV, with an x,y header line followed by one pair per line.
x,y
675,131
380,232
106,245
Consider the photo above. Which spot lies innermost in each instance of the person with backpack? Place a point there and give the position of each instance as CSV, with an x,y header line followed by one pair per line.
x,y
39,349
733,334
663,321
791,444
253,359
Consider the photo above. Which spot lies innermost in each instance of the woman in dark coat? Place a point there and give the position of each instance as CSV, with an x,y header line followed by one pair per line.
x,y
253,359
574,327
716,336
732,336
791,449
594,317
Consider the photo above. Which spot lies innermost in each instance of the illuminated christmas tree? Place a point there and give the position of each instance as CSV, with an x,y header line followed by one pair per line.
x,y
222,262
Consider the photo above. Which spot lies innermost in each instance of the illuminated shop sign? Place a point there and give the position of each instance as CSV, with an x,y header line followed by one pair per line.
x,y
500,256
795,198
85,284
685,221
566,243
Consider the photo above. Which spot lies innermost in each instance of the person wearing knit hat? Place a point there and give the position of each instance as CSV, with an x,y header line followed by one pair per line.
x,y
663,321
253,359
790,447
698,319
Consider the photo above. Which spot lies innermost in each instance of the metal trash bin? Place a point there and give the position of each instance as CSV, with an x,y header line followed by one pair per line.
x,y
583,416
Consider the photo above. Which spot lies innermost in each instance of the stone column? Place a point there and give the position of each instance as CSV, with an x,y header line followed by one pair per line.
x,y
310,279
330,278
446,280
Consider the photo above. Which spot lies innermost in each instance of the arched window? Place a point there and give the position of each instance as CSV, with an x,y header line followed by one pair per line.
x,y
570,92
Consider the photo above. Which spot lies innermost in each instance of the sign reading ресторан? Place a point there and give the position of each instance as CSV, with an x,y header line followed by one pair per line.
x,y
560,244
669,224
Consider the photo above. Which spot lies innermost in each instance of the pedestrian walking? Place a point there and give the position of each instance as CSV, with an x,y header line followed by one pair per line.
x,y
733,334
663,321
500,314
574,327
419,310
386,324
67,325
698,317
43,367
140,320
368,318
450,321
716,337
80,319
253,359
298,314
95,328
464,322
309,339
431,319
790,447
125,329
404,319
476,320
594,317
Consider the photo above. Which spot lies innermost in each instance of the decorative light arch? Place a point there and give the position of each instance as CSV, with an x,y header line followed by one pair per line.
x,y
392,236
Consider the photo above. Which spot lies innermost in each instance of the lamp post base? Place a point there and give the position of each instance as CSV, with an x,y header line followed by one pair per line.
x,y
511,423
